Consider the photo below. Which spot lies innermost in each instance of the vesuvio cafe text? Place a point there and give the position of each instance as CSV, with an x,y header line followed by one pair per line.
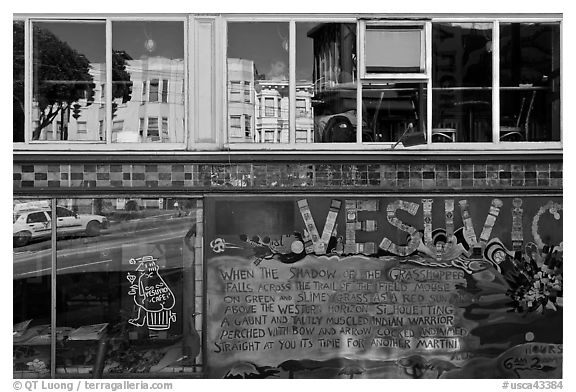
x,y
385,286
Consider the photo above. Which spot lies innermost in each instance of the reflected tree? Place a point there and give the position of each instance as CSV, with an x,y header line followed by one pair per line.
x,y
61,78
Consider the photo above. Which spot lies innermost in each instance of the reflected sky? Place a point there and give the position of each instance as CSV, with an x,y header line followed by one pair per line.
x,y
88,38
131,36
265,43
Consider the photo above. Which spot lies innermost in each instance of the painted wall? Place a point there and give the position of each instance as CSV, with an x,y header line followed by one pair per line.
x,y
384,287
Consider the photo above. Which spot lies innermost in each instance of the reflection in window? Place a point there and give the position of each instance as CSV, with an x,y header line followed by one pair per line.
x,y
462,82
68,62
18,81
262,67
124,282
235,127
529,82
153,134
390,109
247,126
31,288
153,97
325,80
149,76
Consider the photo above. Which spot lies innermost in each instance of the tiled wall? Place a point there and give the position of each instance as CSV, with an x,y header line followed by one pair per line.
x,y
401,176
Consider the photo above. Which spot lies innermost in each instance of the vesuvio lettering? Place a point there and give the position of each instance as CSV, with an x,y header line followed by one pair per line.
x,y
414,237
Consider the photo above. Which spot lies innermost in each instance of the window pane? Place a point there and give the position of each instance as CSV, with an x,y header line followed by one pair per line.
x,y
31,288
530,81
153,134
153,90
326,79
18,77
149,76
390,109
126,277
68,67
258,61
462,82
393,49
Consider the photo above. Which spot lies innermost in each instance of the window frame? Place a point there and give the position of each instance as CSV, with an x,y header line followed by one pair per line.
x,y
427,21
107,144
424,54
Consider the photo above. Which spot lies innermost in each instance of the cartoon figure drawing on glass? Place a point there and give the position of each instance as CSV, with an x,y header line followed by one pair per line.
x,y
152,296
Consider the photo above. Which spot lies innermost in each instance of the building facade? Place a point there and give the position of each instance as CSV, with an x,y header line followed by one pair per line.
x,y
288,196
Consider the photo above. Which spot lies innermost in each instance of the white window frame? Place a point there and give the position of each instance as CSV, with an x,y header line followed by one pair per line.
x,y
427,21
97,145
424,54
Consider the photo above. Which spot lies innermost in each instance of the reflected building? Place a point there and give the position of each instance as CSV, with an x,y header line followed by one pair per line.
x,y
154,113
259,109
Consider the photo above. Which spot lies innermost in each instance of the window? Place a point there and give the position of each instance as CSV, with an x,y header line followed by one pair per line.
x,y
390,109
269,107
37,217
94,293
235,126
165,134
301,107
68,60
152,55
529,82
154,84
326,75
257,75
141,127
248,125
82,128
462,81
165,90
153,131
247,92
393,49
235,91
101,129
64,212
431,77
302,136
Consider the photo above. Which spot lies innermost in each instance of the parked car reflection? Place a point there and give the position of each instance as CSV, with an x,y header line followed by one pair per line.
x,y
36,224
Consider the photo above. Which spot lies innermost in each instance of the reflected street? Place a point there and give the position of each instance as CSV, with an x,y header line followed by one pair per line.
x,y
90,254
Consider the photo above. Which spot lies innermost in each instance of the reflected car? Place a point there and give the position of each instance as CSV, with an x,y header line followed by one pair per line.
x,y
35,224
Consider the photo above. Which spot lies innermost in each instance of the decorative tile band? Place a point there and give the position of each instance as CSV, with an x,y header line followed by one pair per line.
x,y
275,175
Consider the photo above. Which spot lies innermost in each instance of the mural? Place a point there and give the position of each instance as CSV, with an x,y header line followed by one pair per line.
x,y
320,287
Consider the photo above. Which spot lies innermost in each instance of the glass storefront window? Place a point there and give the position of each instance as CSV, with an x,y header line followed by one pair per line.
x,y
31,266
462,82
326,82
69,62
125,267
148,79
529,81
391,109
126,294
258,60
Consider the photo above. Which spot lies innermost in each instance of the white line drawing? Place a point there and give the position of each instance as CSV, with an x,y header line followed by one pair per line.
x,y
152,296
